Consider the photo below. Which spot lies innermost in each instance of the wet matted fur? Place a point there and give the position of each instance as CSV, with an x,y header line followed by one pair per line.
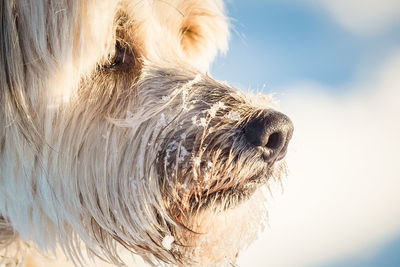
x,y
114,140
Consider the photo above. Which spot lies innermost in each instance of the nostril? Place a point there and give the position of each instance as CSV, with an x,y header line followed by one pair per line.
x,y
275,140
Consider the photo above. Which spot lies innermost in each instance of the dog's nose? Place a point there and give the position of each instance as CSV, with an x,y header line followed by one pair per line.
x,y
272,131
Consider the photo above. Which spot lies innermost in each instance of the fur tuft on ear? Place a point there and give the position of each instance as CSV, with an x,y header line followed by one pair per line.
x,y
190,31
204,30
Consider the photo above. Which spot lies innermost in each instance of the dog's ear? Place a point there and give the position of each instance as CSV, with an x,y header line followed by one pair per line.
x,y
34,35
21,57
192,31
45,48
204,31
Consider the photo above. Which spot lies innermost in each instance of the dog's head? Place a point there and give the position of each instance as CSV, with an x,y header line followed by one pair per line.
x,y
121,137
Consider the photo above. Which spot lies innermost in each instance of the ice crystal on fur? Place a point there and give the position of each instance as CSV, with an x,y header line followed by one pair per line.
x,y
167,242
233,115
183,154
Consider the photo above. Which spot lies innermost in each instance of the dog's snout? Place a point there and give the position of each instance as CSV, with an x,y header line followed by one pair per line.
x,y
271,131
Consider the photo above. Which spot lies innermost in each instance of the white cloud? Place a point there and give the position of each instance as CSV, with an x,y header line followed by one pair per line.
x,y
362,16
342,195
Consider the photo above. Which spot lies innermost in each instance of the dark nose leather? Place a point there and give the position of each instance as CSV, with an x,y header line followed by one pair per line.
x,y
271,130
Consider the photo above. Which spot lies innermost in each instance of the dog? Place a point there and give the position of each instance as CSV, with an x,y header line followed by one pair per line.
x,y
114,138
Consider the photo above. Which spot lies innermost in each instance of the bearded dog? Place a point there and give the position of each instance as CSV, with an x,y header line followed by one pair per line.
x,y
115,139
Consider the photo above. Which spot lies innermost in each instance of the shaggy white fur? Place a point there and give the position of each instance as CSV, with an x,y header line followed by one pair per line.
x,y
114,142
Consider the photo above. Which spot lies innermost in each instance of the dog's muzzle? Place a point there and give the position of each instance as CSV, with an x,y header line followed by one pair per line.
x,y
270,132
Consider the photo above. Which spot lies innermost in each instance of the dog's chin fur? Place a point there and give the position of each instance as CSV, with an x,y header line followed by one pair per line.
x,y
218,237
114,141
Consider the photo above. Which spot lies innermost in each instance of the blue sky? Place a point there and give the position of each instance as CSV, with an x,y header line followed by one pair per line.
x,y
284,42
343,50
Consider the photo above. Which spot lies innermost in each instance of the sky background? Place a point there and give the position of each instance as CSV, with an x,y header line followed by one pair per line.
x,y
334,66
